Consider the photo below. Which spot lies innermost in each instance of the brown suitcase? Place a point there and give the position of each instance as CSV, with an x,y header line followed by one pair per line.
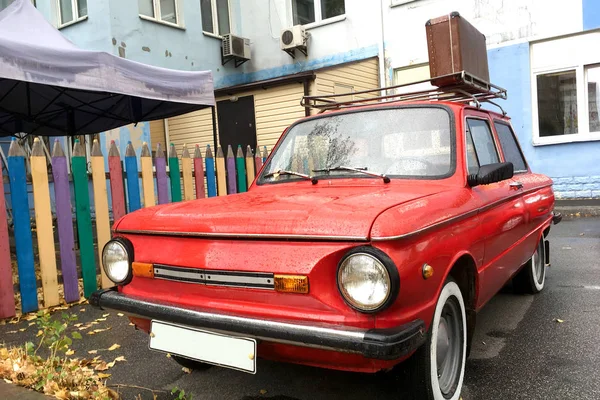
x,y
455,45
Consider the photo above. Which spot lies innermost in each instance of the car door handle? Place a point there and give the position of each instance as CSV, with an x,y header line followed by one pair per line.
x,y
516,185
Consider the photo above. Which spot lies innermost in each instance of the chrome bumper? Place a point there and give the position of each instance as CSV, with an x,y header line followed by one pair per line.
x,y
383,344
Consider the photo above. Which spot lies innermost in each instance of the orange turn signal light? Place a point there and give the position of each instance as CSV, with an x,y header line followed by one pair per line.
x,y
144,270
291,283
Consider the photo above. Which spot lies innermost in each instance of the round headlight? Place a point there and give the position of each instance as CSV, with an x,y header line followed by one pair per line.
x,y
366,283
117,261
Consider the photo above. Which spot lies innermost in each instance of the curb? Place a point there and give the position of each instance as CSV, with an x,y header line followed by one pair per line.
x,y
578,211
576,208
10,391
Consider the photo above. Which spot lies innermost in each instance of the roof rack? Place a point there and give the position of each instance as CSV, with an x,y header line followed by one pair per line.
x,y
460,87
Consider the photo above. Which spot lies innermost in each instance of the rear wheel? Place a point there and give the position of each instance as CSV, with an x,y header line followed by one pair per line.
x,y
191,364
532,276
436,371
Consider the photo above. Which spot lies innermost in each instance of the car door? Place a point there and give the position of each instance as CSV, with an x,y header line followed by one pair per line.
x,y
501,208
538,199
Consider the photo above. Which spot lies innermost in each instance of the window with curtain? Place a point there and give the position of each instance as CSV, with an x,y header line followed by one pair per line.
x,y
71,10
311,11
160,10
215,16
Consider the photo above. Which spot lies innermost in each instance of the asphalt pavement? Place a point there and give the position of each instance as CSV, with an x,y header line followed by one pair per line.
x,y
520,351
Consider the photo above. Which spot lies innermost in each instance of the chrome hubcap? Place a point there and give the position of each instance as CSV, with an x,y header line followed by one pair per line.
x,y
443,342
449,350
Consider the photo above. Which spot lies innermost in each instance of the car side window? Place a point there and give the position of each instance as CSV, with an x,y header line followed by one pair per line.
x,y
483,141
472,162
510,148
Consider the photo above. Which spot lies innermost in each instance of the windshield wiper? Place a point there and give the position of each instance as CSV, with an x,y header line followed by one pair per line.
x,y
294,173
360,170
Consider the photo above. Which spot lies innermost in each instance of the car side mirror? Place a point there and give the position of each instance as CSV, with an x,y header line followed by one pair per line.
x,y
491,173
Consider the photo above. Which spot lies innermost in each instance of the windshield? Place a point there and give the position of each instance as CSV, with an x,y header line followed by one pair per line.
x,y
406,142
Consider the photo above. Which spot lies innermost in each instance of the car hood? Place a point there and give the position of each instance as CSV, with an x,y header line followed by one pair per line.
x,y
278,212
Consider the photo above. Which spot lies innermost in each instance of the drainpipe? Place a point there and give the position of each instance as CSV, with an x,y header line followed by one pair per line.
x,y
382,74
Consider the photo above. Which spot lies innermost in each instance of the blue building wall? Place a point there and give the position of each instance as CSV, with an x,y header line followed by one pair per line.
x,y
591,14
573,166
94,32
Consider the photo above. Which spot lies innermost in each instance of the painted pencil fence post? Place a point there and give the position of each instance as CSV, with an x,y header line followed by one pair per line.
x,y
64,223
22,227
249,166
198,173
186,170
7,294
133,182
211,186
101,207
116,182
240,166
162,186
265,155
43,224
231,189
84,219
221,174
147,176
174,174
258,160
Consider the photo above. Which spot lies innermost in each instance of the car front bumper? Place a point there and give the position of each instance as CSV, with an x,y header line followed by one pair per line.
x,y
381,344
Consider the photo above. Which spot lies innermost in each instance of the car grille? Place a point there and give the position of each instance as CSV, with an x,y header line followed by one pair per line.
x,y
257,280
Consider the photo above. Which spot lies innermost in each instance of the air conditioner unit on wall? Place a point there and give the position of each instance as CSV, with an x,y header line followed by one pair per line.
x,y
235,48
294,38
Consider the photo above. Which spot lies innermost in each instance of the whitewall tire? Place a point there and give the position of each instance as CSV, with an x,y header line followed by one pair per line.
x,y
437,369
532,277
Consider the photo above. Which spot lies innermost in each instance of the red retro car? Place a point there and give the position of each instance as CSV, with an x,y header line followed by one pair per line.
x,y
372,236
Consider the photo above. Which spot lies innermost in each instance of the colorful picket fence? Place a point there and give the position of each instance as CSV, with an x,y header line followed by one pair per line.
x,y
187,177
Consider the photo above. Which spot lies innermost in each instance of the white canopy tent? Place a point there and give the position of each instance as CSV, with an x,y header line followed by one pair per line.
x,y
50,87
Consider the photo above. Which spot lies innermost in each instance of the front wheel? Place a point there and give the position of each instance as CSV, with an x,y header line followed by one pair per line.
x,y
437,369
532,276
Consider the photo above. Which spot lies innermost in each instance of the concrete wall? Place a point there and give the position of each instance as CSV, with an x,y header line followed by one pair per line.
x,y
115,26
354,38
503,22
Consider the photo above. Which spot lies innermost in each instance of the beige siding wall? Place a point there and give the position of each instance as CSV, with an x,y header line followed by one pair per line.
x,y
277,107
191,129
353,77
157,133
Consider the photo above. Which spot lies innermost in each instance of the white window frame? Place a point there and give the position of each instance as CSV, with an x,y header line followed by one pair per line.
x,y
319,20
215,20
76,19
570,52
157,15
395,3
583,128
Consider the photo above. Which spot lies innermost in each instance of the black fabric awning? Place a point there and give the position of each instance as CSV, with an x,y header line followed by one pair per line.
x,y
48,86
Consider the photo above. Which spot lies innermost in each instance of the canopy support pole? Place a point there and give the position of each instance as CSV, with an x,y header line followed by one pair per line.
x,y
214,124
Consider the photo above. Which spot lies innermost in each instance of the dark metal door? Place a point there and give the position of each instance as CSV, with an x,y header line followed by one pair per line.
x,y
237,123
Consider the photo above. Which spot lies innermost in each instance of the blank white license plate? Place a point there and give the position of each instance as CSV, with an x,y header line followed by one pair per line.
x,y
213,348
